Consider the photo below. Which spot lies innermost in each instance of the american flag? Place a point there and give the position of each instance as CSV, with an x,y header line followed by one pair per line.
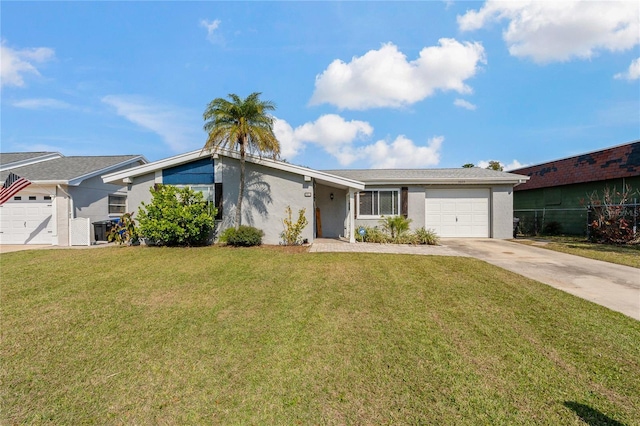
x,y
12,186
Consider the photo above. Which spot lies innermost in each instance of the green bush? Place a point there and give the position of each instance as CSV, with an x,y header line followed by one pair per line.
x,y
176,217
224,236
426,236
377,235
395,225
244,236
373,235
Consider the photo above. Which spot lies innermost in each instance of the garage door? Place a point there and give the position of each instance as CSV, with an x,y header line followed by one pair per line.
x,y
458,212
26,221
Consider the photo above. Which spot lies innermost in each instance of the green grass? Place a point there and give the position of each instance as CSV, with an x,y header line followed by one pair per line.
x,y
628,255
273,336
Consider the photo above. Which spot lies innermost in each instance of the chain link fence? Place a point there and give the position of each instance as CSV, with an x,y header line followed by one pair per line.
x,y
571,221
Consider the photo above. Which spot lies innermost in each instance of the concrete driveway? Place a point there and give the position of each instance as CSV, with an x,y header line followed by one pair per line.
x,y
615,286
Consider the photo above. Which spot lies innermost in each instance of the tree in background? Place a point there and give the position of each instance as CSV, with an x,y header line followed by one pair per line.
x,y
495,165
242,125
468,165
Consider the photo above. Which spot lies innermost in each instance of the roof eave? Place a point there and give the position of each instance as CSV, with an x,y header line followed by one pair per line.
x,y
29,161
448,181
193,155
78,180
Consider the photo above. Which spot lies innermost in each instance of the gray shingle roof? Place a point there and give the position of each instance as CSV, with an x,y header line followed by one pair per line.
x,y
12,157
426,175
66,168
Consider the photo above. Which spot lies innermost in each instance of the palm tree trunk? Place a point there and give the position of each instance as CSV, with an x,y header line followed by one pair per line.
x,y
241,191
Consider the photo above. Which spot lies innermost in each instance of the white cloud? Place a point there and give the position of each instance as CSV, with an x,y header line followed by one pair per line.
x,y
402,153
16,63
547,31
339,138
385,78
464,104
633,73
41,103
330,131
515,164
178,128
290,146
211,27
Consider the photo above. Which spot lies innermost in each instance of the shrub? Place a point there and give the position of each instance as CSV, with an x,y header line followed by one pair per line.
x,y
292,230
395,225
611,217
176,217
426,236
124,232
224,236
244,236
552,228
375,235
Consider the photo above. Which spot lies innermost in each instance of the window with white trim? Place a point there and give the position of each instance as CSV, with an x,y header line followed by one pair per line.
x,y
379,202
117,204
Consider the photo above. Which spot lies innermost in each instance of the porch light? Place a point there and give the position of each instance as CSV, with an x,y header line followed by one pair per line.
x,y
331,196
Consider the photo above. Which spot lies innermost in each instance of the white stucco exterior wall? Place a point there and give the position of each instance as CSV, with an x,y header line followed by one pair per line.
x,y
138,191
502,212
267,194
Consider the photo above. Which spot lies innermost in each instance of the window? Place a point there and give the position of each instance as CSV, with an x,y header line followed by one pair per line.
x,y
47,197
32,197
117,204
17,198
381,202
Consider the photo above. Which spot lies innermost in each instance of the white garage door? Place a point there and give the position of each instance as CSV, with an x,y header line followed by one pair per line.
x,y
26,221
458,212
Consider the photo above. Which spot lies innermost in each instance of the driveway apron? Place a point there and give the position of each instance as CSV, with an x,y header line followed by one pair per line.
x,y
615,286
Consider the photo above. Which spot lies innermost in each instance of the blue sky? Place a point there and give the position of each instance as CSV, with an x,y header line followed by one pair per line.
x,y
356,84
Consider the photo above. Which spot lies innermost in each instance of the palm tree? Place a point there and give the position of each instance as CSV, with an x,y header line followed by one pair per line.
x,y
244,125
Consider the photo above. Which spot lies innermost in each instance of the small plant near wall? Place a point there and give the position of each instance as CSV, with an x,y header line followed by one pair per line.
x,y
426,236
292,234
382,236
395,225
244,236
124,232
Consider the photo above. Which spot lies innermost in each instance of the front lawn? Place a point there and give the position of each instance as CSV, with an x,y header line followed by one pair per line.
x,y
628,255
268,336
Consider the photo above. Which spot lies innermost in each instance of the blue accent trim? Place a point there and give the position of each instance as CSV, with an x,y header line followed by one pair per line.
x,y
197,172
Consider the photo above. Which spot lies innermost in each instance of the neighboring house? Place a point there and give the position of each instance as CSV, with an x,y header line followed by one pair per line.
x,y
62,190
455,202
559,190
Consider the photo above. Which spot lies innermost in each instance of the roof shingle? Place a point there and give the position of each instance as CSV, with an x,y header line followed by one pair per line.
x,y
612,163
67,168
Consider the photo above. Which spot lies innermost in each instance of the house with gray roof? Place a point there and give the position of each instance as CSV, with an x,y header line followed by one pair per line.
x,y
454,202
65,197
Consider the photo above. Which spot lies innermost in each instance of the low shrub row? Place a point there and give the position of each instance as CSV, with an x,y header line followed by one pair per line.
x,y
395,230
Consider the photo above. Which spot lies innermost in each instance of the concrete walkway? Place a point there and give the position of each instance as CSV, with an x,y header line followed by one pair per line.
x,y
615,286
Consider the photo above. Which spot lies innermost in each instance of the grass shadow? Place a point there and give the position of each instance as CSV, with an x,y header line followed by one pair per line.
x,y
591,416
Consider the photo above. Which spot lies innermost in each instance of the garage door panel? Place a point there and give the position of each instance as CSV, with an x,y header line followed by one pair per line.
x,y
26,222
458,212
